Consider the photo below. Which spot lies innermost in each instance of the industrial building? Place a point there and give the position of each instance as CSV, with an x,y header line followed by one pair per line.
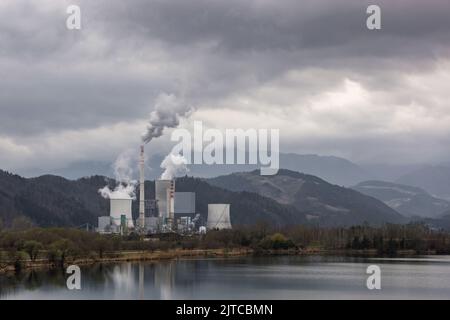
x,y
170,211
187,225
120,219
152,224
104,224
185,203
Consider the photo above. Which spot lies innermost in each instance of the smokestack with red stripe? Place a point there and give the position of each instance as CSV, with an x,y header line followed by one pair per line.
x,y
141,190
171,204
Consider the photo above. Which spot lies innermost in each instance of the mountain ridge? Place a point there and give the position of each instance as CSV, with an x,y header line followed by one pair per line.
x,y
51,200
433,179
334,169
323,202
55,201
408,200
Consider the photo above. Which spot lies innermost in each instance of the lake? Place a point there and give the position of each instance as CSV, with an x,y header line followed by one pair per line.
x,y
276,277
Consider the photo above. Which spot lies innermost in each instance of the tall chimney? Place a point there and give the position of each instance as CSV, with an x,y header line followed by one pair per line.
x,y
171,204
141,190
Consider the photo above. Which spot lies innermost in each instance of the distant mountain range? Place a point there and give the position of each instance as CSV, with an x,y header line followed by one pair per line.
x,y
285,199
407,200
322,202
333,169
434,179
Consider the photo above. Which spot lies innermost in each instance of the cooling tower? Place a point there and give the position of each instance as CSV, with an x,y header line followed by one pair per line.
x,y
162,196
218,216
121,207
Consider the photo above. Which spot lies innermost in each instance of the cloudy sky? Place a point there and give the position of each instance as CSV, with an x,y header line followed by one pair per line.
x,y
310,68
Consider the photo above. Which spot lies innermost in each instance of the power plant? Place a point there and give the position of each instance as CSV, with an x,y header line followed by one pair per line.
x,y
159,215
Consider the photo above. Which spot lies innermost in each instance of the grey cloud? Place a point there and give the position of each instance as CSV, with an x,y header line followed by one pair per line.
x,y
247,43
47,101
283,25
128,52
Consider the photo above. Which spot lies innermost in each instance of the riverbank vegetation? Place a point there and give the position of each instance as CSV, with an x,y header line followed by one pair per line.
x,y
58,246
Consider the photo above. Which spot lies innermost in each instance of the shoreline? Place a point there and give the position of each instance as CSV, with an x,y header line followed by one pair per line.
x,y
132,256
159,255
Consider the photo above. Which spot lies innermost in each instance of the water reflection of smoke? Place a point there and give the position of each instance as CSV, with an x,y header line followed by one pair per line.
x,y
128,280
123,281
165,279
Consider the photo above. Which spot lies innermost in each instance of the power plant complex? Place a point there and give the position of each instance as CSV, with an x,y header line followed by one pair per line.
x,y
169,212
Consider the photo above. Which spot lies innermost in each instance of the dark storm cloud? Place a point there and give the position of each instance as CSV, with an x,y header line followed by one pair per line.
x,y
61,99
229,45
237,26
211,52
235,45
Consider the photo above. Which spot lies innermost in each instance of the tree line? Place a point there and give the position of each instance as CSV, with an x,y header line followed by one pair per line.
x,y
59,246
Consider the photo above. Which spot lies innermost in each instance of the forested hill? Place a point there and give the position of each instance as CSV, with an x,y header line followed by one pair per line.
x,y
285,199
54,201
323,203
50,200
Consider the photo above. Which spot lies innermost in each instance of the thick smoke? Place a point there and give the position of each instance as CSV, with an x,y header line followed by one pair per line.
x,y
167,113
121,191
174,166
123,166
123,172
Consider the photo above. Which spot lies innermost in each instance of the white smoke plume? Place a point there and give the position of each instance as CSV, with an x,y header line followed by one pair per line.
x,y
123,166
123,172
174,165
168,110
121,191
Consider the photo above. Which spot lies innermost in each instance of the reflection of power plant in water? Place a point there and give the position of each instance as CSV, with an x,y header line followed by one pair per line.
x,y
169,212
163,280
123,280
141,281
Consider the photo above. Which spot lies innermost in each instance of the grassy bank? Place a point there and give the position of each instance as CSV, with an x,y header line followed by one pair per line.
x,y
129,256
